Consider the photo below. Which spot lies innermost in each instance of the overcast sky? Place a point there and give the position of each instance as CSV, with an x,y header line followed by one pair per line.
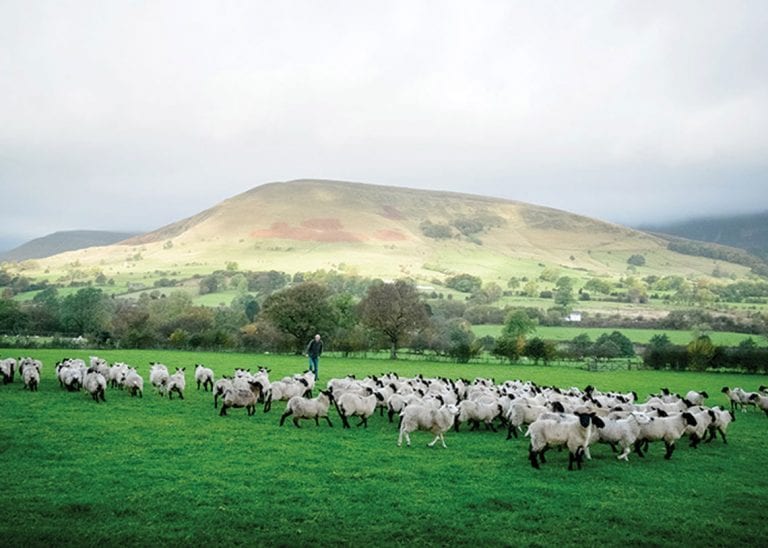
x,y
131,115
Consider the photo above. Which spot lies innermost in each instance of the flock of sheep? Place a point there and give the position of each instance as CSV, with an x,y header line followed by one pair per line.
x,y
570,418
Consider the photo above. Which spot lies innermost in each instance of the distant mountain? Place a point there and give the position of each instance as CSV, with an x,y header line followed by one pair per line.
x,y
59,242
749,232
386,232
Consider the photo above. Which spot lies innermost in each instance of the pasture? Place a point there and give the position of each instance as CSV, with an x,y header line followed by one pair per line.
x,y
152,471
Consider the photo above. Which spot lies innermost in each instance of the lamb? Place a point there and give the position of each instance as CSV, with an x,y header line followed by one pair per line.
x,y
350,405
241,396
204,377
302,408
425,417
575,434
95,384
177,383
158,377
477,412
669,429
7,369
133,382
623,432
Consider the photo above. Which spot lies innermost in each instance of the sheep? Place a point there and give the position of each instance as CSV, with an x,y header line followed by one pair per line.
x,y
239,395
522,413
302,408
30,374
424,417
721,420
95,384
738,397
284,390
100,365
477,412
219,388
177,383
71,374
575,434
133,382
350,405
704,418
696,398
623,431
669,429
158,377
7,369
204,377
760,400
116,375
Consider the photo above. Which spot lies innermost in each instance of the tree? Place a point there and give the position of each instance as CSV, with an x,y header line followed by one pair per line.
x,y
466,283
511,344
636,260
394,310
700,352
564,293
301,311
580,346
85,312
624,346
538,349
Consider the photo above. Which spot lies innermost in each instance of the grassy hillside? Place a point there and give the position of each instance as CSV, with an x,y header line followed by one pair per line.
x,y
379,231
60,242
138,472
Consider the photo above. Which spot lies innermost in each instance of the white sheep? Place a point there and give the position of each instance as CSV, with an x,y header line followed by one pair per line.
x,y
477,412
425,417
760,400
7,369
133,382
30,374
354,405
721,419
95,384
696,398
239,395
116,375
204,377
285,389
71,374
521,413
303,408
177,383
158,377
219,388
574,434
623,431
668,429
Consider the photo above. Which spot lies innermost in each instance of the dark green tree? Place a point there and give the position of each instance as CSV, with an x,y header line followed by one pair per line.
x,y
86,312
394,310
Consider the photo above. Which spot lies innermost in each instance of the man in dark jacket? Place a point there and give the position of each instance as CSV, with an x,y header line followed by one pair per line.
x,y
314,350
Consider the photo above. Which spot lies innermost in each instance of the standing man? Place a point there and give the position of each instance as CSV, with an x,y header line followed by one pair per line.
x,y
314,350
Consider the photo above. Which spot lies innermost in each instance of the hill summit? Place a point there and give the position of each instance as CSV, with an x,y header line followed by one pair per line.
x,y
387,232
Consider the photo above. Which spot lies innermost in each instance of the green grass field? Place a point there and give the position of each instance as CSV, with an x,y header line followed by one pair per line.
x,y
157,472
639,336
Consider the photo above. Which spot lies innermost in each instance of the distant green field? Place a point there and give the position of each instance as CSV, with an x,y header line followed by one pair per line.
x,y
640,336
151,471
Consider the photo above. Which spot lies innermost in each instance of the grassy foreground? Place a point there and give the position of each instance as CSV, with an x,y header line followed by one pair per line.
x,y
153,471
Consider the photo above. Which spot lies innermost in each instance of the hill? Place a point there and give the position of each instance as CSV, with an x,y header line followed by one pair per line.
x,y
748,232
60,242
382,231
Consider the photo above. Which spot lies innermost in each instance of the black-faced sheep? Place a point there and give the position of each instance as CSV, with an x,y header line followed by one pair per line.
x,y
354,405
95,384
241,396
669,429
158,377
204,377
574,434
303,408
426,417
177,383
133,382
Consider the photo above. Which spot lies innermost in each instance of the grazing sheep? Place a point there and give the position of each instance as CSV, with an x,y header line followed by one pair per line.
x,y
623,432
158,377
204,377
574,434
354,405
303,408
95,384
425,417
133,382
7,369
669,429
239,395
177,383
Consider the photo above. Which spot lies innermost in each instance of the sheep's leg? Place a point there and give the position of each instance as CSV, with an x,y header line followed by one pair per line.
x,y
511,431
542,458
363,421
571,458
198,384
391,414
215,400
722,435
223,412
638,449
288,412
296,422
317,420
491,426
442,440
456,423
670,449
432,443
532,458
329,421
626,449
102,396
694,441
400,438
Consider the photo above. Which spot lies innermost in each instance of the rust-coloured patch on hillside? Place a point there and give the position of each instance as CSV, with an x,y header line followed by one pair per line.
x,y
390,235
312,230
391,212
